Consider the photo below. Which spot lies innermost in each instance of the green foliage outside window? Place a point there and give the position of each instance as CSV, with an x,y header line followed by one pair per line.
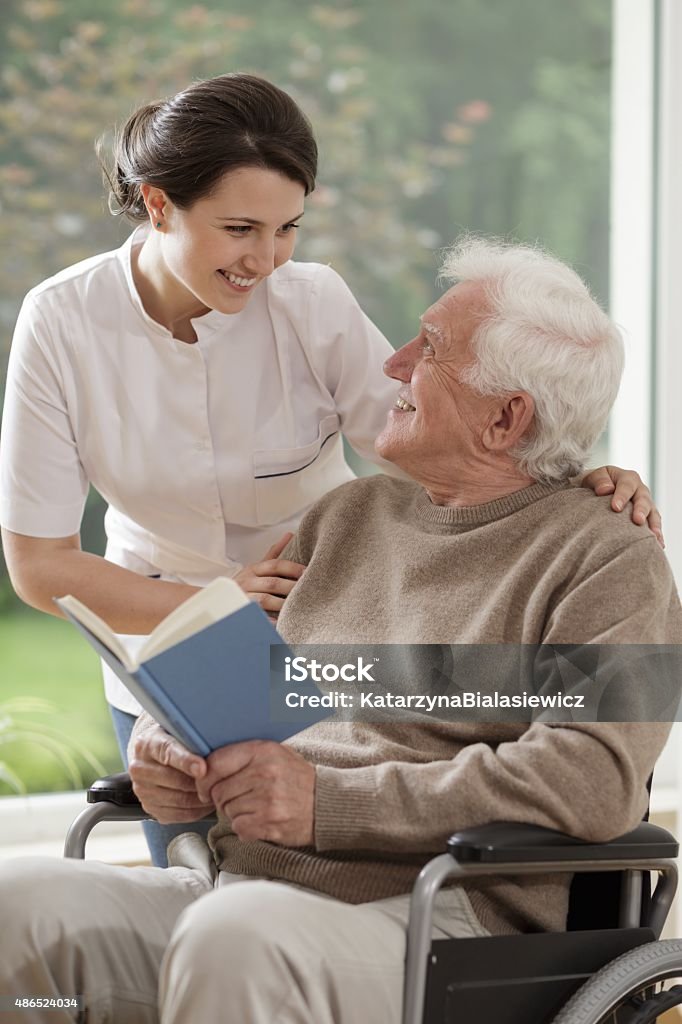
x,y
431,117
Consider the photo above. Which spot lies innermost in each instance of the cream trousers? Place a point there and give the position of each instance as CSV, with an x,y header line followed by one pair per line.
x,y
186,945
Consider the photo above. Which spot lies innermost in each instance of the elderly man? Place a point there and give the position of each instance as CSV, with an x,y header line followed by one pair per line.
x,y
297,911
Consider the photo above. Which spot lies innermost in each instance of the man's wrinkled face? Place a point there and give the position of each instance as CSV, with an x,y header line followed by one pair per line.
x,y
437,421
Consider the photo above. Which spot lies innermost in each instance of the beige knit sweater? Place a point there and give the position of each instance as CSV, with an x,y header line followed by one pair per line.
x,y
547,564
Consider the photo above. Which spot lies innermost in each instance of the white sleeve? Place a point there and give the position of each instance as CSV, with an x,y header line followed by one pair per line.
x,y
349,353
43,486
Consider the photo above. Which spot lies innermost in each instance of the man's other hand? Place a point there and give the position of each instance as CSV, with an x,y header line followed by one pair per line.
x,y
164,774
266,790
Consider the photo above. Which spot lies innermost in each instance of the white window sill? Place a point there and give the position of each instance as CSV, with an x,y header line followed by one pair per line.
x,y
37,826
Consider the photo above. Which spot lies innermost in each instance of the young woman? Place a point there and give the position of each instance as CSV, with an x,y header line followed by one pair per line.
x,y
197,377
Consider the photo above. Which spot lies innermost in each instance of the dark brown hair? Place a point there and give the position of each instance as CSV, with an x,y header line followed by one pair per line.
x,y
186,144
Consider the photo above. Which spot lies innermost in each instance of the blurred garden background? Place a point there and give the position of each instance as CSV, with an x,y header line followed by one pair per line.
x,y
432,117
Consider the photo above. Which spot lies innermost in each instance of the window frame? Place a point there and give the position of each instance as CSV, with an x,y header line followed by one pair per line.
x,y
632,227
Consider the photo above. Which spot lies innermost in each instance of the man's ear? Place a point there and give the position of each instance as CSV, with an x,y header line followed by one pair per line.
x,y
511,419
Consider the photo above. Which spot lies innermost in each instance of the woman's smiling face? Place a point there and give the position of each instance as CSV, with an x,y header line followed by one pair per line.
x,y
220,249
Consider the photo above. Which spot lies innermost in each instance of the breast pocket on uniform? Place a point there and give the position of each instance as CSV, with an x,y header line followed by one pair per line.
x,y
288,480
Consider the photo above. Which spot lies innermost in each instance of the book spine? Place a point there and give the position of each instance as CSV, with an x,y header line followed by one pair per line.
x,y
162,708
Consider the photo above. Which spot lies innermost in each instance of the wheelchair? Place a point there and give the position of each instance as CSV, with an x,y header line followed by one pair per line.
x,y
609,967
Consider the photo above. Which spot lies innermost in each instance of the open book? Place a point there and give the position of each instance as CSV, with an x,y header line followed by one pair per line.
x,y
204,672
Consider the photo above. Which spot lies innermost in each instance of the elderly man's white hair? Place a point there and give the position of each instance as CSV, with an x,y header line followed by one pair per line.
x,y
543,333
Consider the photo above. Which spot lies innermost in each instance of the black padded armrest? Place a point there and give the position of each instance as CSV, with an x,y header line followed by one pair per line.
x,y
510,842
115,789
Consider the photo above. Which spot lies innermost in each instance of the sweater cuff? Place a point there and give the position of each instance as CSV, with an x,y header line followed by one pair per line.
x,y
345,807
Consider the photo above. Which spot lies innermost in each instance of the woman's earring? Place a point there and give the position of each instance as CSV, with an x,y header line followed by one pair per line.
x,y
158,223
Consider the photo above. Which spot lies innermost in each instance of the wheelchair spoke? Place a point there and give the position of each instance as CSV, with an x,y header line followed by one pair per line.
x,y
636,988
653,1004
644,1006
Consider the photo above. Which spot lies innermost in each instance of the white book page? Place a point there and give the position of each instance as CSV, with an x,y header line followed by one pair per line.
x,y
219,599
97,626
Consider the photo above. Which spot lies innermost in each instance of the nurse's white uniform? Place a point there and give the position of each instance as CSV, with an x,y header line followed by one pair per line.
x,y
205,453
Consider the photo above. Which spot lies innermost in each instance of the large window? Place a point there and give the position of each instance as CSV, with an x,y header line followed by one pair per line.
x,y
432,118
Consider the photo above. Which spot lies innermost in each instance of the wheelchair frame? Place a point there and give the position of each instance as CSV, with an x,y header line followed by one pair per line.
x,y
497,849
502,849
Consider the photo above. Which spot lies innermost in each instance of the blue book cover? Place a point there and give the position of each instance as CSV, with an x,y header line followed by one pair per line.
x,y
214,687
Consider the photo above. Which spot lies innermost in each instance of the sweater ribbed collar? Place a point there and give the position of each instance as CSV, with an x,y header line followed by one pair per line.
x,y
478,515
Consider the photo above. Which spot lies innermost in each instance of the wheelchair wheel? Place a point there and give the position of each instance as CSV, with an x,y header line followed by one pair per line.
x,y
630,989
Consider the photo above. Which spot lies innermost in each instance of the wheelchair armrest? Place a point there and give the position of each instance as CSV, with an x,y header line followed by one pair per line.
x,y
511,842
114,789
